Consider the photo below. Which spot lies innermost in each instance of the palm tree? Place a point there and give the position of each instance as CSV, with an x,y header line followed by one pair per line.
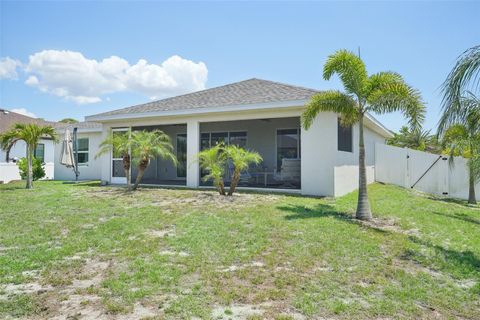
x,y
463,139
119,143
212,162
241,159
30,134
416,139
380,93
465,74
148,145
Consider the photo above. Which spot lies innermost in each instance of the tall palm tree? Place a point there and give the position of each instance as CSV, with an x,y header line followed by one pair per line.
x,y
212,162
119,143
30,134
464,75
380,93
241,159
463,139
148,145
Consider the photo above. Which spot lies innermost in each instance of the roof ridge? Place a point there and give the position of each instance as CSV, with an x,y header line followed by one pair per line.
x,y
287,84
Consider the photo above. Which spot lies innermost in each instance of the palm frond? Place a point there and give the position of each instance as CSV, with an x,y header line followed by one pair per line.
x,y
398,96
378,80
333,101
350,68
465,74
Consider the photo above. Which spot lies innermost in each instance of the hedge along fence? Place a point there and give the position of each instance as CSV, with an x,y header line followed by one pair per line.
x,y
422,171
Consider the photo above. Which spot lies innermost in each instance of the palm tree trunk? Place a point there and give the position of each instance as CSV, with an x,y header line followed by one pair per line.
x,y
471,189
221,188
29,167
363,206
126,167
234,183
141,170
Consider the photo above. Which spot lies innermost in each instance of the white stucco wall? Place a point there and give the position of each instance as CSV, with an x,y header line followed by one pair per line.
x,y
89,171
319,152
346,179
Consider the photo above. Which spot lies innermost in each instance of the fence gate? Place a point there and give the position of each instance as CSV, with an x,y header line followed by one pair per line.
x,y
412,169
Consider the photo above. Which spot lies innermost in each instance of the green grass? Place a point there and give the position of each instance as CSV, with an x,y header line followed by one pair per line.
x,y
185,253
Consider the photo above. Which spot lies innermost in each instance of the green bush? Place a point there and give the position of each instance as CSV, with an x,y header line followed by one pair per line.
x,y
37,169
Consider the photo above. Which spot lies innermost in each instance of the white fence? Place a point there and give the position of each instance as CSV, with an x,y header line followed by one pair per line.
x,y
9,172
423,171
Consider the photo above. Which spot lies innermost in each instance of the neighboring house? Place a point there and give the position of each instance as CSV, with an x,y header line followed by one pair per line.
x,y
44,151
256,114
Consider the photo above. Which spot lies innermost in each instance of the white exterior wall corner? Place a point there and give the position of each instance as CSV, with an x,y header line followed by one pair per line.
x,y
318,146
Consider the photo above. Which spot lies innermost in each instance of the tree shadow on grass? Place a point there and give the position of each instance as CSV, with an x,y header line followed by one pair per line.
x,y
85,183
464,264
459,216
460,202
323,211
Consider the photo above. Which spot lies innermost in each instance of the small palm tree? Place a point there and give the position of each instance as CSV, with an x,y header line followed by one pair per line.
x,y
241,160
380,93
119,143
30,134
148,145
212,161
463,139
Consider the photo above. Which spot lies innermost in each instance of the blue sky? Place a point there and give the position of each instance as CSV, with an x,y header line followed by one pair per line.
x,y
281,41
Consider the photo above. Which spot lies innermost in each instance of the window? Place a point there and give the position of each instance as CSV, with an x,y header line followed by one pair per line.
x,y
39,152
288,145
345,138
82,148
208,139
182,155
218,137
238,139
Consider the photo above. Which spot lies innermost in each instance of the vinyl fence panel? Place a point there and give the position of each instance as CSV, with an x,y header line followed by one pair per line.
x,y
423,171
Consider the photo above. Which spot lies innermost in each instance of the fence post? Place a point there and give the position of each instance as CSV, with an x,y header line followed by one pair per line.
x,y
446,180
407,168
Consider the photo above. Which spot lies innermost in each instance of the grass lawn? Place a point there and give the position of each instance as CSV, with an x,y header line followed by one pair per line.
x,y
98,252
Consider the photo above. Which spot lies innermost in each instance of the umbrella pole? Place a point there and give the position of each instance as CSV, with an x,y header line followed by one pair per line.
x,y
75,145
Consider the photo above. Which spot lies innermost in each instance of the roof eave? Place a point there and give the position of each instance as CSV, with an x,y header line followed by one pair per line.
x,y
198,111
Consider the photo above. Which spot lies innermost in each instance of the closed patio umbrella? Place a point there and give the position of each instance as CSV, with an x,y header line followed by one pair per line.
x,y
67,157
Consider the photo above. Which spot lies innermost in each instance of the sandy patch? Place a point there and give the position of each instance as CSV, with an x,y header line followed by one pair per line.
x,y
167,232
237,311
174,253
253,264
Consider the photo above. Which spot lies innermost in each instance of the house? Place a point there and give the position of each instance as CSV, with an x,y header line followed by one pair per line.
x,y
44,151
256,114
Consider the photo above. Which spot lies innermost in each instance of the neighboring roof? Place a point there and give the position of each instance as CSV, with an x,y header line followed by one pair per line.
x,y
9,118
247,92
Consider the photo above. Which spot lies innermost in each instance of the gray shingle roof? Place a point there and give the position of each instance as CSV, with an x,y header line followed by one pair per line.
x,y
79,125
245,92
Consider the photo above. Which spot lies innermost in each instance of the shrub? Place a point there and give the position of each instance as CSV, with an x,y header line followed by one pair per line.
x,y
38,170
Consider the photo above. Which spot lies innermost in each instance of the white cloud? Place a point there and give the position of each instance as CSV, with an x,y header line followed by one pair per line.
x,y
8,68
24,111
70,75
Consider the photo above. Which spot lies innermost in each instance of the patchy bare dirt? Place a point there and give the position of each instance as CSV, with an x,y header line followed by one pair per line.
x,y
77,300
